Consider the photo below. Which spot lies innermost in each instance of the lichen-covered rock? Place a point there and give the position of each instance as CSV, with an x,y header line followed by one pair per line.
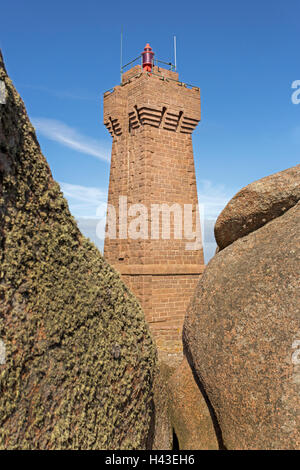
x,y
257,204
162,427
182,418
190,416
79,359
242,332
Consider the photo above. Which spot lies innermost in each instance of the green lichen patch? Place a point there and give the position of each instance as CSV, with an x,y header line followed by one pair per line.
x,y
79,357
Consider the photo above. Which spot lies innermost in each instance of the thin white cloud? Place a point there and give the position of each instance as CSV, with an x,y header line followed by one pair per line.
x,y
81,95
84,201
83,193
88,205
69,137
90,228
212,200
213,197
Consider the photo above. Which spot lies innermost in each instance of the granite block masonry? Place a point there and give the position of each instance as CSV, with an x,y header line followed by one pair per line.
x,y
151,117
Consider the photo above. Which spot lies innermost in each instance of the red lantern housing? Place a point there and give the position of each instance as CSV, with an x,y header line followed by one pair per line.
x,y
147,56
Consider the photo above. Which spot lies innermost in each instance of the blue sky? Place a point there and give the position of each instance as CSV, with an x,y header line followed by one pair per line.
x,y
62,55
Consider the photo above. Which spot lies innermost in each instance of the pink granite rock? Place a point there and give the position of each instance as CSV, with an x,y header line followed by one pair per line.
x,y
242,333
257,204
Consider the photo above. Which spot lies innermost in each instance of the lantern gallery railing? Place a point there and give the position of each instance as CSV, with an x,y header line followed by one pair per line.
x,y
148,61
155,62
129,63
167,79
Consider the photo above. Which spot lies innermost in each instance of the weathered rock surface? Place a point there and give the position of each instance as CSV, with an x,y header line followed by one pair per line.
x,y
79,359
189,413
257,204
242,332
162,427
182,419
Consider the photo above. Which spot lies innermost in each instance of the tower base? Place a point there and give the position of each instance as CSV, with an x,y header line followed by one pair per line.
x,y
164,292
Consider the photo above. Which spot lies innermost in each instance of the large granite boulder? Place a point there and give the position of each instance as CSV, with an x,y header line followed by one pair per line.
x,y
242,333
191,418
77,359
257,204
182,418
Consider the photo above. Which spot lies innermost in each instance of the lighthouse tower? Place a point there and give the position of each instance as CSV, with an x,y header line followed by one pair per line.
x,y
153,230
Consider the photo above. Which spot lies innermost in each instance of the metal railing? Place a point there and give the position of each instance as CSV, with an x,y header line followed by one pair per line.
x,y
155,62
167,79
160,75
129,63
172,66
